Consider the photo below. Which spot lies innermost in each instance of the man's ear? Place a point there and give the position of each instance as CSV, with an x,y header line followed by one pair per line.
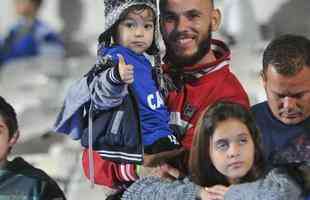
x,y
263,79
14,139
215,19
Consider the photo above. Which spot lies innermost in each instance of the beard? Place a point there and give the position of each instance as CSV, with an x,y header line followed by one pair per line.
x,y
203,48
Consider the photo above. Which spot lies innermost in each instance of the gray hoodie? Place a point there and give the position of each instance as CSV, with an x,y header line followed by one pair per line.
x,y
274,186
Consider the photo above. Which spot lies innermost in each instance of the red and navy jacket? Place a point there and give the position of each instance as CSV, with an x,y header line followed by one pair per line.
x,y
212,82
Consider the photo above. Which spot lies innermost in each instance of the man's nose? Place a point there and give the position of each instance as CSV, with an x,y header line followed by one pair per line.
x,y
183,24
289,103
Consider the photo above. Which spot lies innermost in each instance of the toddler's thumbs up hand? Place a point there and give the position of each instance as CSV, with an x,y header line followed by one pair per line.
x,y
125,71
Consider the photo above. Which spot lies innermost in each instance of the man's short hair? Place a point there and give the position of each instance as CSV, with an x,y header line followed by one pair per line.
x,y
288,54
9,117
162,3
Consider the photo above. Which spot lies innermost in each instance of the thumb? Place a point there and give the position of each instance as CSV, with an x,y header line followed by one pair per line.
x,y
121,59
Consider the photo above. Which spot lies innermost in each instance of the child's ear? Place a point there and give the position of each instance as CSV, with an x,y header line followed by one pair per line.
x,y
14,139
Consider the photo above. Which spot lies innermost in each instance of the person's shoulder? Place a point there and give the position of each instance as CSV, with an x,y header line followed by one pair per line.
x,y
20,166
274,185
259,107
280,180
281,174
263,117
112,51
122,50
228,87
229,80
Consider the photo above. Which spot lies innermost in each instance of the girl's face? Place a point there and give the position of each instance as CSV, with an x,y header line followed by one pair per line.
x,y
136,30
232,149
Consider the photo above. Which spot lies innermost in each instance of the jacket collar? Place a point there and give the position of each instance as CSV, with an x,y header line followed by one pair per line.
x,y
221,52
177,78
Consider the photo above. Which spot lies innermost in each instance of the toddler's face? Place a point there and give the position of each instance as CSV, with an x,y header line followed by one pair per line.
x,y
232,149
136,31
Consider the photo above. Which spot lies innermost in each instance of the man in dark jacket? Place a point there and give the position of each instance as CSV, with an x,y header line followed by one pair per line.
x,y
18,179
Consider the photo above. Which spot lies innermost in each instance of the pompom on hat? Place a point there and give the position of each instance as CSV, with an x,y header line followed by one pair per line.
x,y
113,10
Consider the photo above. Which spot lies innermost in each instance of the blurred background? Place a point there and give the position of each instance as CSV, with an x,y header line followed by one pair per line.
x,y
36,86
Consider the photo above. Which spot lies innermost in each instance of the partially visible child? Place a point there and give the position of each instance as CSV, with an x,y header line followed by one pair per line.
x,y
19,179
30,36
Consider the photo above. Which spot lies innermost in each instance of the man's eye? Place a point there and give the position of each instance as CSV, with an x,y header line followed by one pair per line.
x,y
192,16
298,95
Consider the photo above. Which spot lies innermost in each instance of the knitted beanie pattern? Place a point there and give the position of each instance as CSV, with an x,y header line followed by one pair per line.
x,y
114,9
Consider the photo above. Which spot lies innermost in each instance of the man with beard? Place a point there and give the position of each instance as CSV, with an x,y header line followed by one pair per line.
x,y
197,65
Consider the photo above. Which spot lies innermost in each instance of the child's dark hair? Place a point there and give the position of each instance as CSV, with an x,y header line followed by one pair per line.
x,y
8,115
202,170
106,38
